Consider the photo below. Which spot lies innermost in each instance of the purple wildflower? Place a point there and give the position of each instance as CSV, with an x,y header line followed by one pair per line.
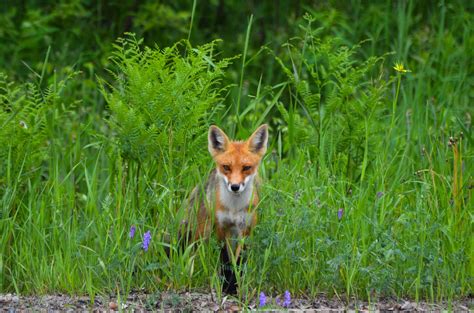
x,y
262,300
132,232
340,213
379,194
286,299
146,240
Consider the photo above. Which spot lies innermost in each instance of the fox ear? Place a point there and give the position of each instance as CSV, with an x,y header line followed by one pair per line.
x,y
258,141
217,139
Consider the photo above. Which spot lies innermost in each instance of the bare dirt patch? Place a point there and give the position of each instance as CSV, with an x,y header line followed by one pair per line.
x,y
195,301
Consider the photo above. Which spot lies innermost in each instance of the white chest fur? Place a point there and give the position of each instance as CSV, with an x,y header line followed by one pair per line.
x,y
235,214
240,219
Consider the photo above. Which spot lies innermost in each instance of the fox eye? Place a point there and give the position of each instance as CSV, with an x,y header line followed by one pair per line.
x,y
246,168
226,168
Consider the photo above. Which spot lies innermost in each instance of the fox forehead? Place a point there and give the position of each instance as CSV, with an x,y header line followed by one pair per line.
x,y
237,153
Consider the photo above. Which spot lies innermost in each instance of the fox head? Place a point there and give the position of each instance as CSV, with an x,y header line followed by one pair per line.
x,y
237,161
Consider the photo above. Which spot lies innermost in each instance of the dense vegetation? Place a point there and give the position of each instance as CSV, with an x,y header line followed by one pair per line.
x,y
104,109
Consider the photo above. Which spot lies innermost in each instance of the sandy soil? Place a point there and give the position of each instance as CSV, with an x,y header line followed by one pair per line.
x,y
194,301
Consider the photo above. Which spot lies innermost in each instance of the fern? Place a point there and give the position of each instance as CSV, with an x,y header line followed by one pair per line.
x,y
162,100
337,96
21,131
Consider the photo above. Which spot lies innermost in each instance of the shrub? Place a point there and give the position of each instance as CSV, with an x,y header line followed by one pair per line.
x,y
341,104
162,100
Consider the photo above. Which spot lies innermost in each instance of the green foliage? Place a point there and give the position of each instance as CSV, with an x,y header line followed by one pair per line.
x,y
382,235
162,101
29,28
25,113
84,161
340,100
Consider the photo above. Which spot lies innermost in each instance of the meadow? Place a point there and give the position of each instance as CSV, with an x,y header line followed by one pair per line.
x,y
367,184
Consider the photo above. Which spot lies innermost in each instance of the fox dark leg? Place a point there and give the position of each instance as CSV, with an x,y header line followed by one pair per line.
x,y
227,268
227,272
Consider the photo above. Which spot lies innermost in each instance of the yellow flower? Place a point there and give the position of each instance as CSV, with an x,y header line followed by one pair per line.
x,y
400,68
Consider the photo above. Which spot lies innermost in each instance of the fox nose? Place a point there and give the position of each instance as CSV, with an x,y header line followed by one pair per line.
x,y
235,187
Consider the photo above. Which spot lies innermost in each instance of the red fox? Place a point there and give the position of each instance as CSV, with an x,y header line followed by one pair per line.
x,y
230,197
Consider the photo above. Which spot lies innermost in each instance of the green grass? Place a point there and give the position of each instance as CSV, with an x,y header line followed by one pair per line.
x,y
347,132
